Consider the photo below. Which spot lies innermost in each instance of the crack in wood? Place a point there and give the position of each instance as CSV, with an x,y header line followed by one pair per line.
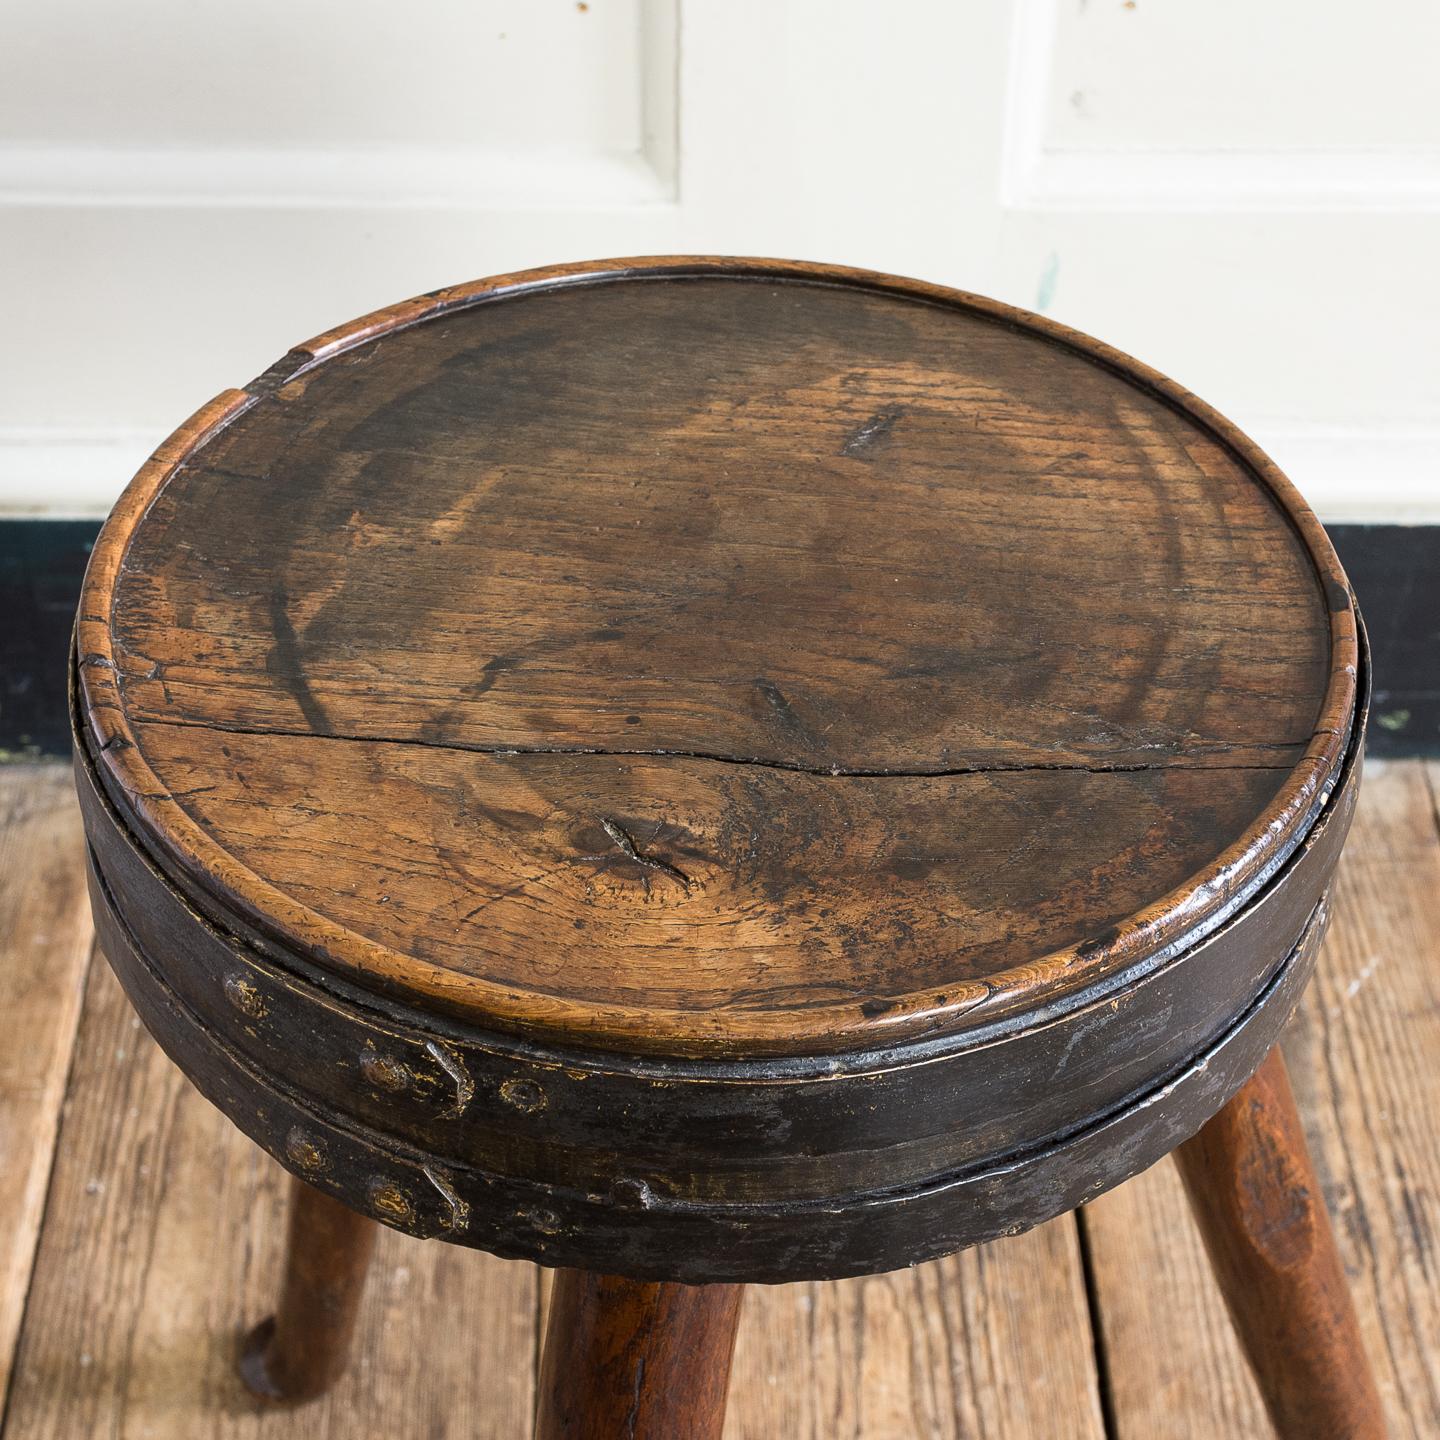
x,y
1180,760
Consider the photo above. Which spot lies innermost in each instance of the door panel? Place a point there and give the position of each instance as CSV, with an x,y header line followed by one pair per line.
x,y
1246,196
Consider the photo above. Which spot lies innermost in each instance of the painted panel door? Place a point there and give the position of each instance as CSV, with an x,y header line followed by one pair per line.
x,y
1244,195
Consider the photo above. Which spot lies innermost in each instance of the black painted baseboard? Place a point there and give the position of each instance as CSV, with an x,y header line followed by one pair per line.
x,y
42,563
1395,570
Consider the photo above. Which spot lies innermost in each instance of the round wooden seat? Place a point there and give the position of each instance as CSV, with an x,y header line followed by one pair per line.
x,y
714,770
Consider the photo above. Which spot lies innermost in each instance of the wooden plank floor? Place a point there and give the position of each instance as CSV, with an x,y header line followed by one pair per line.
x,y
144,1231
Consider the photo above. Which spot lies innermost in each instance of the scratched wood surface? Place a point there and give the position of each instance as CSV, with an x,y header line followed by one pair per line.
x,y
45,944
615,659
162,1225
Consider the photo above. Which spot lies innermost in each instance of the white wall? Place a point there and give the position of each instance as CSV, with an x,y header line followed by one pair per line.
x,y
1245,193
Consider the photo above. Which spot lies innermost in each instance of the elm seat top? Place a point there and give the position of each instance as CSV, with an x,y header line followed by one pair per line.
x,y
716,657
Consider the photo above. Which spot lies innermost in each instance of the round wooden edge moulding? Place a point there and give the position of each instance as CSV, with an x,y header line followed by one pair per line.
x,y
1169,926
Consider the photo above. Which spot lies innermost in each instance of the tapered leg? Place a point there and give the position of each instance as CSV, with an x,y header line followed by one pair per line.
x,y
301,1350
627,1357
1259,1207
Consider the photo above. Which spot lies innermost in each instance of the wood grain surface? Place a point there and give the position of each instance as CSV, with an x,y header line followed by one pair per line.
x,y
162,1245
1261,1213
992,1342
676,676
300,1351
869,877
146,1281
607,650
45,944
1362,1056
637,1359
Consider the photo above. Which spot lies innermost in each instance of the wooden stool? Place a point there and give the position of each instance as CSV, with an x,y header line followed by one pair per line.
x,y
700,772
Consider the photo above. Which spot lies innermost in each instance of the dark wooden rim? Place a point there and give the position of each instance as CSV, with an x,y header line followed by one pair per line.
x,y
709,1240
1172,922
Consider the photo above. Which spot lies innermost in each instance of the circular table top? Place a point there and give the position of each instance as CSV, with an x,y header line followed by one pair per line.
x,y
699,657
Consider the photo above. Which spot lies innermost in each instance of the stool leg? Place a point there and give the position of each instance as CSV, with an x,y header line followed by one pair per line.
x,y
633,1358
301,1350
1259,1207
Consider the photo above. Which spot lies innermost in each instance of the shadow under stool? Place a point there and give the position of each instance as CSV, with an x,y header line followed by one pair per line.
x,y
708,772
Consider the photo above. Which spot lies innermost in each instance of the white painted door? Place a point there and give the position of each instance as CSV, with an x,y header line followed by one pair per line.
x,y
1244,194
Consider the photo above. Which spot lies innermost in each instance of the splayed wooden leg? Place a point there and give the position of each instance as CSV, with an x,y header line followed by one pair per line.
x,y
644,1360
301,1350
1261,1211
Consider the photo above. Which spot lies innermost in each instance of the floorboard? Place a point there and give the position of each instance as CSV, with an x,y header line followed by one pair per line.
x,y
994,1342
1364,1058
161,1244
45,944
148,1229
